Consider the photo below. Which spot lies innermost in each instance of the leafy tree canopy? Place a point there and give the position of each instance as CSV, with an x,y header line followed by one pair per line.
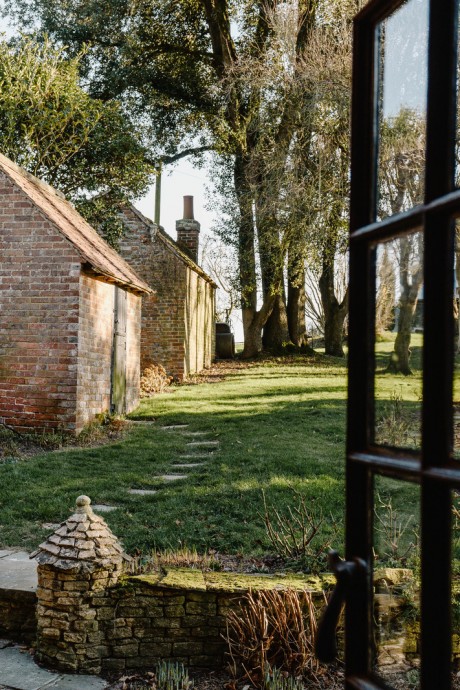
x,y
51,127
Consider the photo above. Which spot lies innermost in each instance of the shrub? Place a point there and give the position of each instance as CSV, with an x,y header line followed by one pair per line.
x,y
298,536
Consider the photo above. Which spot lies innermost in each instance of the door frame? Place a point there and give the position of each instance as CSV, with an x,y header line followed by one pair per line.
x,y
119,352
433,468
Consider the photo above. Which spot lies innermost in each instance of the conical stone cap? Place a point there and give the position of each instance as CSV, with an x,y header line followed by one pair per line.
x,y
83,540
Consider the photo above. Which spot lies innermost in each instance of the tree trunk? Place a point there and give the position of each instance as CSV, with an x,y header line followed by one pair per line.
x,y
333,331
253,329
246,254
276,331
296,307
334,312
410,281
252,340
400,357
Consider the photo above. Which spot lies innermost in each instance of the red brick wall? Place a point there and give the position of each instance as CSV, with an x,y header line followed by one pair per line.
x,y
95,343
199,323
133,348
39,301
178,323
95,338
163,324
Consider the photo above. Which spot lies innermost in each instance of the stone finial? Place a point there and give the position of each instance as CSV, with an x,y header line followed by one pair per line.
x,y
83,504
83,540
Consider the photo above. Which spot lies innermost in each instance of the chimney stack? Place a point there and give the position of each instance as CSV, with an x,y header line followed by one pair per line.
x,y
188,230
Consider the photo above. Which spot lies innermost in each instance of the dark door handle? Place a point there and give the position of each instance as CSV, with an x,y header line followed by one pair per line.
x,y
347,573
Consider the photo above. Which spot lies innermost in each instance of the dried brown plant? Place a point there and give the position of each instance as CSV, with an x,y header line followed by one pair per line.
x,y
273,629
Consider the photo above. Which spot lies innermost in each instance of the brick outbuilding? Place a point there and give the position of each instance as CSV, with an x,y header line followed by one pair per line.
x,y
70,313
178,329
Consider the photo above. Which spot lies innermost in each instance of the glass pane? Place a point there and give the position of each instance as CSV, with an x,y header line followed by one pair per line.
x,y
403,62
399,341
396,582
456,387
456,580
457,142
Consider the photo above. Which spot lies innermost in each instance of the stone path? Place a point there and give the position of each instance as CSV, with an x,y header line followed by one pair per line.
x,y
197,449
18,671
17,571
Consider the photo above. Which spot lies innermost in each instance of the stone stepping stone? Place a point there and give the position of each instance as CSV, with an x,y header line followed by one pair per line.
x,y
171,477
174,426
142,492
196,456
185,465
203,444
196,433
103,508
52,526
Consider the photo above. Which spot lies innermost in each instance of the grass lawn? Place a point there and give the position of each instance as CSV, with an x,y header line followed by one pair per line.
x,y
280,425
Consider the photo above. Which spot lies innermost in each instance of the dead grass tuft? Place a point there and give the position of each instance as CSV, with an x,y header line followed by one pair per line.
x,y
154,379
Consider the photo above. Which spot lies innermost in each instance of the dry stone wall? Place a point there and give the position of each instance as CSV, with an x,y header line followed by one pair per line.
x,y
90,619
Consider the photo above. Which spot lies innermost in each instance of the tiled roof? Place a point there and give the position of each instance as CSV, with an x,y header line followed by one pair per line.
x,y
163,236
83,537
99,257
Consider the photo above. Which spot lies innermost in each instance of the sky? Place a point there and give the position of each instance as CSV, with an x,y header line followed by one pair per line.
x,y
405,76
182,180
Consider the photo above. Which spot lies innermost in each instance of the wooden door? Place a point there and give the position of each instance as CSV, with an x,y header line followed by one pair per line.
x,y
119,353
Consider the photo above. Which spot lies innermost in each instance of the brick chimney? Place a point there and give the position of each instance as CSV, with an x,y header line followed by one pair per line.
x,y
188,230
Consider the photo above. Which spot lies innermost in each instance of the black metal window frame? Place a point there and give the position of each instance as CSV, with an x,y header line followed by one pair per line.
x,y
433,469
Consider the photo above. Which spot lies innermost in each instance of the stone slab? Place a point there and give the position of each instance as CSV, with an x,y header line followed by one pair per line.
x,y
18,571
68,682
174,426
5,552
186,465
103,508
19,671
142,492
171,477
18,556
203,444
194,456
196,433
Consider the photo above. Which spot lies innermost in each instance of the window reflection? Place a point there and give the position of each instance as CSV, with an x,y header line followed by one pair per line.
x,y
402,108
399,341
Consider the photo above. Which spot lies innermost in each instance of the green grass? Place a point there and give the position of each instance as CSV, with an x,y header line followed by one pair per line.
x,y
280,424
398,398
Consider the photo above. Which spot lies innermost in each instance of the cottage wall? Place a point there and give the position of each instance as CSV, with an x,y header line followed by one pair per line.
x,y
95,339
199,323
95,348
178,323
39,304
133,346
